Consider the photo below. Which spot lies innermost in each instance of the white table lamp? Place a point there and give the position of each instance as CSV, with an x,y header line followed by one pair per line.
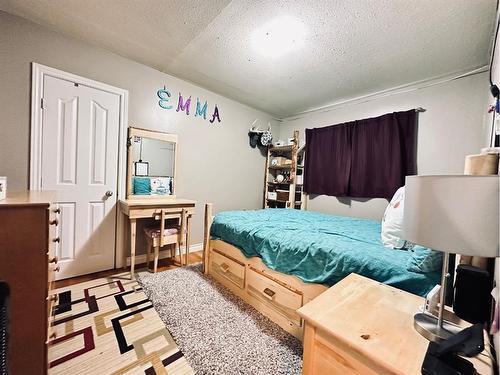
x,y
452,214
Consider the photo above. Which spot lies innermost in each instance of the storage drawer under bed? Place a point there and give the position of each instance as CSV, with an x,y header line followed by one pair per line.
x,y
282,299
227,268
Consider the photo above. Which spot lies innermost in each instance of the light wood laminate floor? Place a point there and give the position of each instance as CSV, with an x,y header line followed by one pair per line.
x,y
163,264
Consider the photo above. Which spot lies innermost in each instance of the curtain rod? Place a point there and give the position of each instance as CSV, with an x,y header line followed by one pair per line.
x,y
420,109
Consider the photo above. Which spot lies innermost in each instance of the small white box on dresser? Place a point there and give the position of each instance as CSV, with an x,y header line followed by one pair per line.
x,y
272,195
3,187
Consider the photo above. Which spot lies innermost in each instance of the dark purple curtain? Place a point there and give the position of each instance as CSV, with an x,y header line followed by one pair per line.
x,y
362,159
328,160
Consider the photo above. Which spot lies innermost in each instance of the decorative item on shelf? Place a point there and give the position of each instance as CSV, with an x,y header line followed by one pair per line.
x,y
3,187
299,179
279,143
287,176
282,195
452,214
277,161
300,160
280,178
272,195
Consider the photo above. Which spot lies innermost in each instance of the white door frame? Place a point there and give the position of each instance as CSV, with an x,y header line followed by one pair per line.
x,y
38,73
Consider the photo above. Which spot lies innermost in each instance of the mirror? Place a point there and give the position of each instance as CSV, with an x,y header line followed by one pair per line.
x,y
151,164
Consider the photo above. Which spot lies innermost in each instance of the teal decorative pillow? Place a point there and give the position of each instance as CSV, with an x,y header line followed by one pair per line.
x,y
142,185
424,260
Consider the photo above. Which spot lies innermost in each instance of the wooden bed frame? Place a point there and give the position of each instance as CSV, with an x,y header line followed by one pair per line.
x,y
274,294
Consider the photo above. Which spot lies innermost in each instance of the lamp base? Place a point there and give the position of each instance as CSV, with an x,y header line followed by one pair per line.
x,y
427,326
448,315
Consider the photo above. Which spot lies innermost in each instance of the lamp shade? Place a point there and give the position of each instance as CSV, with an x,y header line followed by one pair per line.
x,y
455,214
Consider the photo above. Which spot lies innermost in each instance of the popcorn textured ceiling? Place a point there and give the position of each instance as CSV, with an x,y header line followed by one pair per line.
x,y
351,48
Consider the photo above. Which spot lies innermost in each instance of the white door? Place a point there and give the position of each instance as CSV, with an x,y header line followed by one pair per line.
x,y
80,161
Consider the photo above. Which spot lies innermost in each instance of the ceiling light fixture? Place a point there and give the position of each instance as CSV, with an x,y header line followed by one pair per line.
x,y
279,36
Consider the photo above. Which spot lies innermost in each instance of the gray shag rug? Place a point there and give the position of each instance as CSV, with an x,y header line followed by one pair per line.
x,y
217,331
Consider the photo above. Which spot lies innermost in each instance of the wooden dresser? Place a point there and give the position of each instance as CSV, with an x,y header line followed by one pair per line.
x,y
360,326
28,235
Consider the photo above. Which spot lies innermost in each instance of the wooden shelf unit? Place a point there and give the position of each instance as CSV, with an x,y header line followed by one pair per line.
x,y
295,197
281,148
289,166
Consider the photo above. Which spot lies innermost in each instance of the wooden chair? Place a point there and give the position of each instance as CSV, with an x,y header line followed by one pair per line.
x,y
166,235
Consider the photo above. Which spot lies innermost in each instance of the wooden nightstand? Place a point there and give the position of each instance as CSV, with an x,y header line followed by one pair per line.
x,y
360,326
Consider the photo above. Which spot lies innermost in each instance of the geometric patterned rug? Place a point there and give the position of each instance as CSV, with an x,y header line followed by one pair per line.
x,y
108,326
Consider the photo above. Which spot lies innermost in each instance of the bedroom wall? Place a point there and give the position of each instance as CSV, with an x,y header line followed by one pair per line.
x,y
215,162
452,127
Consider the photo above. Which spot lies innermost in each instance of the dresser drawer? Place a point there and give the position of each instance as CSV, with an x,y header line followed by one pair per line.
x,y
53,244
53,230
282,299
52,301
227,268
53,267
51,335
326,356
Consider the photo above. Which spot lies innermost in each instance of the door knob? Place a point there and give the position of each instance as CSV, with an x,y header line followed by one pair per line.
x,y
109,193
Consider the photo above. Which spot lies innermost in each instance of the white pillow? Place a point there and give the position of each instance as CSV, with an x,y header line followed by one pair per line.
x,y
392,222
160,185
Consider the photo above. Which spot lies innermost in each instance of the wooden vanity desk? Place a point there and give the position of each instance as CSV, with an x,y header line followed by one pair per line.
x,y
151,208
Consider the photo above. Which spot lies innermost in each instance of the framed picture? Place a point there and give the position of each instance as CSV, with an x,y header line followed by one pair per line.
x,y
141,168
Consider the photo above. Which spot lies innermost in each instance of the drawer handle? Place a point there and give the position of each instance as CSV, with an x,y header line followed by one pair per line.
x,y
54,222
268,293
53,298
57,239
54,260
53,335
57,269
57,211
224,267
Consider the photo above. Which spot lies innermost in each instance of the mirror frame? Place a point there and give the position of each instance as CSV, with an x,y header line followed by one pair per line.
x,y
161,136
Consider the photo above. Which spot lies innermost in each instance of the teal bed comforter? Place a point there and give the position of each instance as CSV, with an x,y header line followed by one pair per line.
x,y
320,248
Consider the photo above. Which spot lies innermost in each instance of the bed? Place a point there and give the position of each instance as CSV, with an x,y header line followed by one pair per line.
x,y
279,259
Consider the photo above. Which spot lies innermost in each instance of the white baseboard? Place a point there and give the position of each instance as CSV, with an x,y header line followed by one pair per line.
x,y
164,254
